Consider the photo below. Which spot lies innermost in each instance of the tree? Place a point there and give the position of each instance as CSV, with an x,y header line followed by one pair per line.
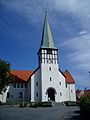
x,y
5,77
85,105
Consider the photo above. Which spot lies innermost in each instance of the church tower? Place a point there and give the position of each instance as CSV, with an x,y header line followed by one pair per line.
x,y
48,52
48,82
52,81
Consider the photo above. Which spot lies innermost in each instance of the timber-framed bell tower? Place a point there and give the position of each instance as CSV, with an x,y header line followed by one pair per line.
x,y
48,53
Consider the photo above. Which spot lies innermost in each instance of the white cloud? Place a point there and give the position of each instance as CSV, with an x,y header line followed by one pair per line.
x,y
81,51
82,32
78,8
29,9
81,43
32,9
74,6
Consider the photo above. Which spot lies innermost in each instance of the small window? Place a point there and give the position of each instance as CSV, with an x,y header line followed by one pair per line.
x,y
71,90
21,85
25,85
59,83
18,85
14,85
8,95
49,51
36,83
60,94
50,79
20,95
49,68
36,94
66,85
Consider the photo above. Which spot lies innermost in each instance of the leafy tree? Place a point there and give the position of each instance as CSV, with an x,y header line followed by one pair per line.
x,y
85,104
5,77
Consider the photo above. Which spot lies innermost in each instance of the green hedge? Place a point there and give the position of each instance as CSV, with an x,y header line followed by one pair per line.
x,y
36,104
41,104
71,103
23,105
85,104
46,104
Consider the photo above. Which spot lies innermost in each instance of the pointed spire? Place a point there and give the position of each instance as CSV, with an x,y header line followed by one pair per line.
x,y
47,39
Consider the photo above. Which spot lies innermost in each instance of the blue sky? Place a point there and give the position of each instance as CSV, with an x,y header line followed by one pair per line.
x,y
21,23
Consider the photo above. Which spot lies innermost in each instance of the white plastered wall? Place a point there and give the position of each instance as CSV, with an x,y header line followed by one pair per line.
x,y
36,77
71,94
13,94
56,77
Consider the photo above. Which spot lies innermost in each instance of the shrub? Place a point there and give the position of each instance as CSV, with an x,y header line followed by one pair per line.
x,y
71,103
46,104
40,104
21,105
25,104
33,104
85,104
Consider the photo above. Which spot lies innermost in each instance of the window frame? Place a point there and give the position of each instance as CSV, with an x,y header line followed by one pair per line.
x,y
37,94
20,94
36,83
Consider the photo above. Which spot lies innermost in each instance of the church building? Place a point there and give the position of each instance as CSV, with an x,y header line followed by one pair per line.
x,y
45,83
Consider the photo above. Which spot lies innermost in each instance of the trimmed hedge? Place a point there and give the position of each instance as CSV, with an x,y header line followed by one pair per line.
x,y
41,104
46,104
36,104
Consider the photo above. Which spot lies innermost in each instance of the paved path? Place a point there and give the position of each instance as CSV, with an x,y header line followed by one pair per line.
x,y
73,113
51,113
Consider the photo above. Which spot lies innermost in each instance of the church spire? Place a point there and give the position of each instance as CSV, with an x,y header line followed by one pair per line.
x,y
47,39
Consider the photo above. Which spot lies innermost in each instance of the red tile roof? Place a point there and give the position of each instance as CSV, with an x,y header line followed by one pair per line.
x,y
69,78
21,75
80,93
87,92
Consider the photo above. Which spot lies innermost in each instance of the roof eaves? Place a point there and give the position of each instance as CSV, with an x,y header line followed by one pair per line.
x,y
62,73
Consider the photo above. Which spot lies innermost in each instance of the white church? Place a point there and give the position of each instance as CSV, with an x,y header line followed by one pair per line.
x,y
45,83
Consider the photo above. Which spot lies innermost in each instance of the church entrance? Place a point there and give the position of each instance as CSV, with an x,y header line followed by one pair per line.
x,y
51,94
